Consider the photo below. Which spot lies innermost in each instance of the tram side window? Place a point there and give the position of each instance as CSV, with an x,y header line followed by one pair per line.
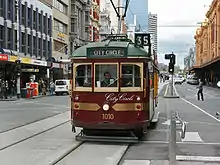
x,y
83,77
106,75
131,76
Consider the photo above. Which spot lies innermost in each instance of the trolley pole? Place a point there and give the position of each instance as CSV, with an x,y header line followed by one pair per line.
x,y
172,146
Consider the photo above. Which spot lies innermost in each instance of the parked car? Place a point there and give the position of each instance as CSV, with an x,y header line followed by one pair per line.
x,y
62,86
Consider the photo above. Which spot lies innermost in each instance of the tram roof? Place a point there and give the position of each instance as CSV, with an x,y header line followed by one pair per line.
x,y
96,50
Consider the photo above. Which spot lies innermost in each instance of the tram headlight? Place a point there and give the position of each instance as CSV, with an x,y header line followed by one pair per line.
x,y
105,107
138,98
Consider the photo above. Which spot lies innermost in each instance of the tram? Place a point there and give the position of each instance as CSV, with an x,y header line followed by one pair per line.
x,y
114,88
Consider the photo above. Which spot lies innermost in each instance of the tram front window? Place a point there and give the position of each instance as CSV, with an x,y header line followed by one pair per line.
x,y
131,77
106,75
83,76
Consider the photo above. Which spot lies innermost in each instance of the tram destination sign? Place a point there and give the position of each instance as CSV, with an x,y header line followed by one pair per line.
x,y
106,52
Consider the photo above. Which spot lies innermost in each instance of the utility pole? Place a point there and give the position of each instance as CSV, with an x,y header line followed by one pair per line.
x,y
18,61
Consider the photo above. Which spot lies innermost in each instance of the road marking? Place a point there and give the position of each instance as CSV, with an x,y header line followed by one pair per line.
x,y
200,109
166,90
192,137
136,162
175,90
198,158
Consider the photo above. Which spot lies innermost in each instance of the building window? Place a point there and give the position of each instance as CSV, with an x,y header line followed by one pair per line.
x,y
1,36
16,42
44,48
86,16
39,22
60,6
34,45
212,32
49,48
10,9
39,45
1,8
59,26
45,22
23,45
9,38
49,27
29,44
23,14
29,17
34,20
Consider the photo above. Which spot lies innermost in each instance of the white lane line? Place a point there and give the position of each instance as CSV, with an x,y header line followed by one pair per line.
x,y
136,162
192,137
200,109
189,143
198,158
166,90
196,92
175,90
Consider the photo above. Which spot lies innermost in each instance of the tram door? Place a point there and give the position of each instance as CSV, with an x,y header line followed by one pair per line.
x,y
151,90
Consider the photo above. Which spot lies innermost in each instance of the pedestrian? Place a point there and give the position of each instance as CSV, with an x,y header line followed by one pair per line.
x,y
52,87
200,91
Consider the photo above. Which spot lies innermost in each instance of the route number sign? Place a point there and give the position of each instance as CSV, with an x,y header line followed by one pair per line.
x,y
142,39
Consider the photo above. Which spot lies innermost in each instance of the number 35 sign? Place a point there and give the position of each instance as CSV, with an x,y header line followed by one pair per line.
x,y
142,39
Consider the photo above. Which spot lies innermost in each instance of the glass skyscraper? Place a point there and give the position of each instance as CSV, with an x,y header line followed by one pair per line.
x,y
140,9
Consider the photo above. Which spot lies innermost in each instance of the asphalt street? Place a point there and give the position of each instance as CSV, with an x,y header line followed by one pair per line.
x,y
18,113
202,140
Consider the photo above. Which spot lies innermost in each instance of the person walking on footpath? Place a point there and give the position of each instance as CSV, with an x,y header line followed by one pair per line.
x,y
200,91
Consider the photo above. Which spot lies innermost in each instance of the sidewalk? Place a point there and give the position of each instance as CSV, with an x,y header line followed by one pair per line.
x,y
14,98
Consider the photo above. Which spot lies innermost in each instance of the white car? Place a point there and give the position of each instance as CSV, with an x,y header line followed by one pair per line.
x,y
178,80
62,86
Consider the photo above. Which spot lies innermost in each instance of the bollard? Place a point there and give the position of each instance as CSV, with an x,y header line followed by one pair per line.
x,y
172,146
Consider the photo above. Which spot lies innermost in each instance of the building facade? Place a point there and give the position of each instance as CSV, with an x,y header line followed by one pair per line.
x,y
79,23
25,34
208,46
105,22
94,20
152,29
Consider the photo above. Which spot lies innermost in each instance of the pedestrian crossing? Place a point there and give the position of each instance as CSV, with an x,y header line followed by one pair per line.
x,y
192,137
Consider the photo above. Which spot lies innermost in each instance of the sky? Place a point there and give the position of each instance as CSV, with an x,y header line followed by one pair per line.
x,y
177,12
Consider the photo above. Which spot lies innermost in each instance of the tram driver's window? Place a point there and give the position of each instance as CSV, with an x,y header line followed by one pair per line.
x,y
131,76
83,76
106,75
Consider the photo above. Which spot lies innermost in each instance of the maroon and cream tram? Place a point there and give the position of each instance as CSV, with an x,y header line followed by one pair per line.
x,y
114,87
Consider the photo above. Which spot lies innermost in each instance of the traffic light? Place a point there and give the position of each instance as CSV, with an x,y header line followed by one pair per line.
x,y
172,59
171,68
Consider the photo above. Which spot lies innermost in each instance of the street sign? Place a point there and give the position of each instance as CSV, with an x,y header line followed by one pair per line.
x,y
142,39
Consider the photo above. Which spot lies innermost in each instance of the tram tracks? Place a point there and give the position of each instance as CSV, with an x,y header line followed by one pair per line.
x,y
20,134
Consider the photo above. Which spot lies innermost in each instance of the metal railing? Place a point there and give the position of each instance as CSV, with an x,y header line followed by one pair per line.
x,y
176,125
